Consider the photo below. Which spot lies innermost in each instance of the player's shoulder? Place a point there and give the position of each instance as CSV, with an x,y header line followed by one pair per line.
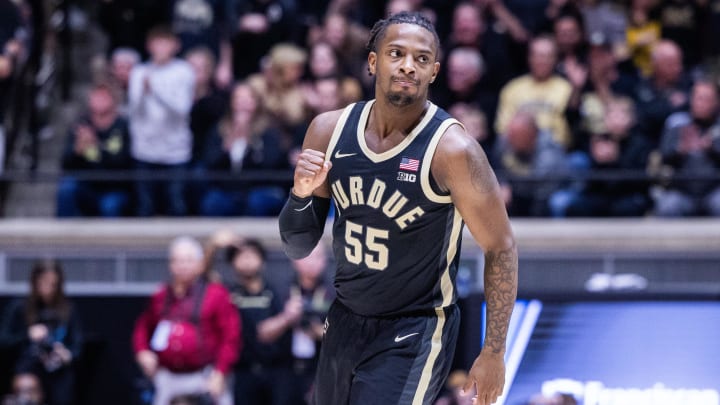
x,y
455,149
455,140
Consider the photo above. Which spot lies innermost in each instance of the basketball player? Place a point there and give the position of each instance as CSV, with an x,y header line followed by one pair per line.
x,y
404,177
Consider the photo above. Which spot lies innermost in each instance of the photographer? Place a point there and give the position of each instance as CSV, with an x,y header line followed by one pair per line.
x,y
187,338
263,373
44,329
317,295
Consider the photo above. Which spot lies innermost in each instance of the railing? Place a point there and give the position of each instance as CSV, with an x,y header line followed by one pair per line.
x,y
256,176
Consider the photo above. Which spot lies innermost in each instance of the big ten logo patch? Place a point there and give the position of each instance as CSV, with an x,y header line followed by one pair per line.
x,y
408,177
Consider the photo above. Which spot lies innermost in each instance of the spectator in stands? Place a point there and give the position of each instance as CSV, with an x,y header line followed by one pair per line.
x,y
325,94
98,142
542,93
594,89
10,22
466,32
475,122
209,24
160,98
569,34
324,62
210,101
242,142
317,295
260,25
26,390
263,374
619,147
45,330
122,61
188,337
463,82
280,88
522,156
643,33
348,39
690,146
474,26
665,91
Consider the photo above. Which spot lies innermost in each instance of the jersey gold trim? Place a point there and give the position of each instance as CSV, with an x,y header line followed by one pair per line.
x,y
446,286
427,160
337,131
395,150
435,347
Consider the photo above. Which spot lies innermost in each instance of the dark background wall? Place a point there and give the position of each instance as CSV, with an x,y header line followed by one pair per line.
x,y
107,374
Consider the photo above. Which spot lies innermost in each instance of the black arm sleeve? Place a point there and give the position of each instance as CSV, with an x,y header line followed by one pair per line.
x,y
302,221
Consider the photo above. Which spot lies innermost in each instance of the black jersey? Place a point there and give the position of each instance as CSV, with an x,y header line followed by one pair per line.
x,y
396,237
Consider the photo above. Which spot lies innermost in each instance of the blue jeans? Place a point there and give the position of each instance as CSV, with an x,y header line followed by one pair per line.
x,y
76,198
162,196
256,202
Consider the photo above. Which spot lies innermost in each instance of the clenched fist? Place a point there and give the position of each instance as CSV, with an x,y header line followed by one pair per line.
x,y
310,172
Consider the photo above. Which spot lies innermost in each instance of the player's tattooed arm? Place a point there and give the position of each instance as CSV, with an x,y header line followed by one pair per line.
x,y
461,167
500,293
500,265
482,177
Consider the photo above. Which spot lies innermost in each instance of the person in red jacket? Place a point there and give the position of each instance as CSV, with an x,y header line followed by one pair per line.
x,y
188,338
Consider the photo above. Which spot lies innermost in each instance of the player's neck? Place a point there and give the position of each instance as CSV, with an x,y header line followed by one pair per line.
x,y
386,118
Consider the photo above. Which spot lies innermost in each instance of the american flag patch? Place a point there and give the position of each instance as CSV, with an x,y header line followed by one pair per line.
x,y
409,164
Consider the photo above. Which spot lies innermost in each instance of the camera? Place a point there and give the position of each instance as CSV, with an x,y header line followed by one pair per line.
x,y
45,354
310,314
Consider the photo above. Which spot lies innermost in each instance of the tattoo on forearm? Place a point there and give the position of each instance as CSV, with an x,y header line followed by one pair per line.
x,y
482,176
500,293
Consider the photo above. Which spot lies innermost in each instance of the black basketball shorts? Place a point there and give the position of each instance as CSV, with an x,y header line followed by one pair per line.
x,y
400,360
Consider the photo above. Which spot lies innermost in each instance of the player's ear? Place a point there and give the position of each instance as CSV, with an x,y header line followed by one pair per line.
x,y
436,70
372,60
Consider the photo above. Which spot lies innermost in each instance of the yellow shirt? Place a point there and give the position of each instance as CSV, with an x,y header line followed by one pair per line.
x,y
546,100
641,51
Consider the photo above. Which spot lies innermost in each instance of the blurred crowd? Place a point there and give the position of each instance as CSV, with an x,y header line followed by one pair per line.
x,y
218,329
584,107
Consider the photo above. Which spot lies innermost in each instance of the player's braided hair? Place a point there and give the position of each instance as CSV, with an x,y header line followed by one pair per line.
x,y
404,17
